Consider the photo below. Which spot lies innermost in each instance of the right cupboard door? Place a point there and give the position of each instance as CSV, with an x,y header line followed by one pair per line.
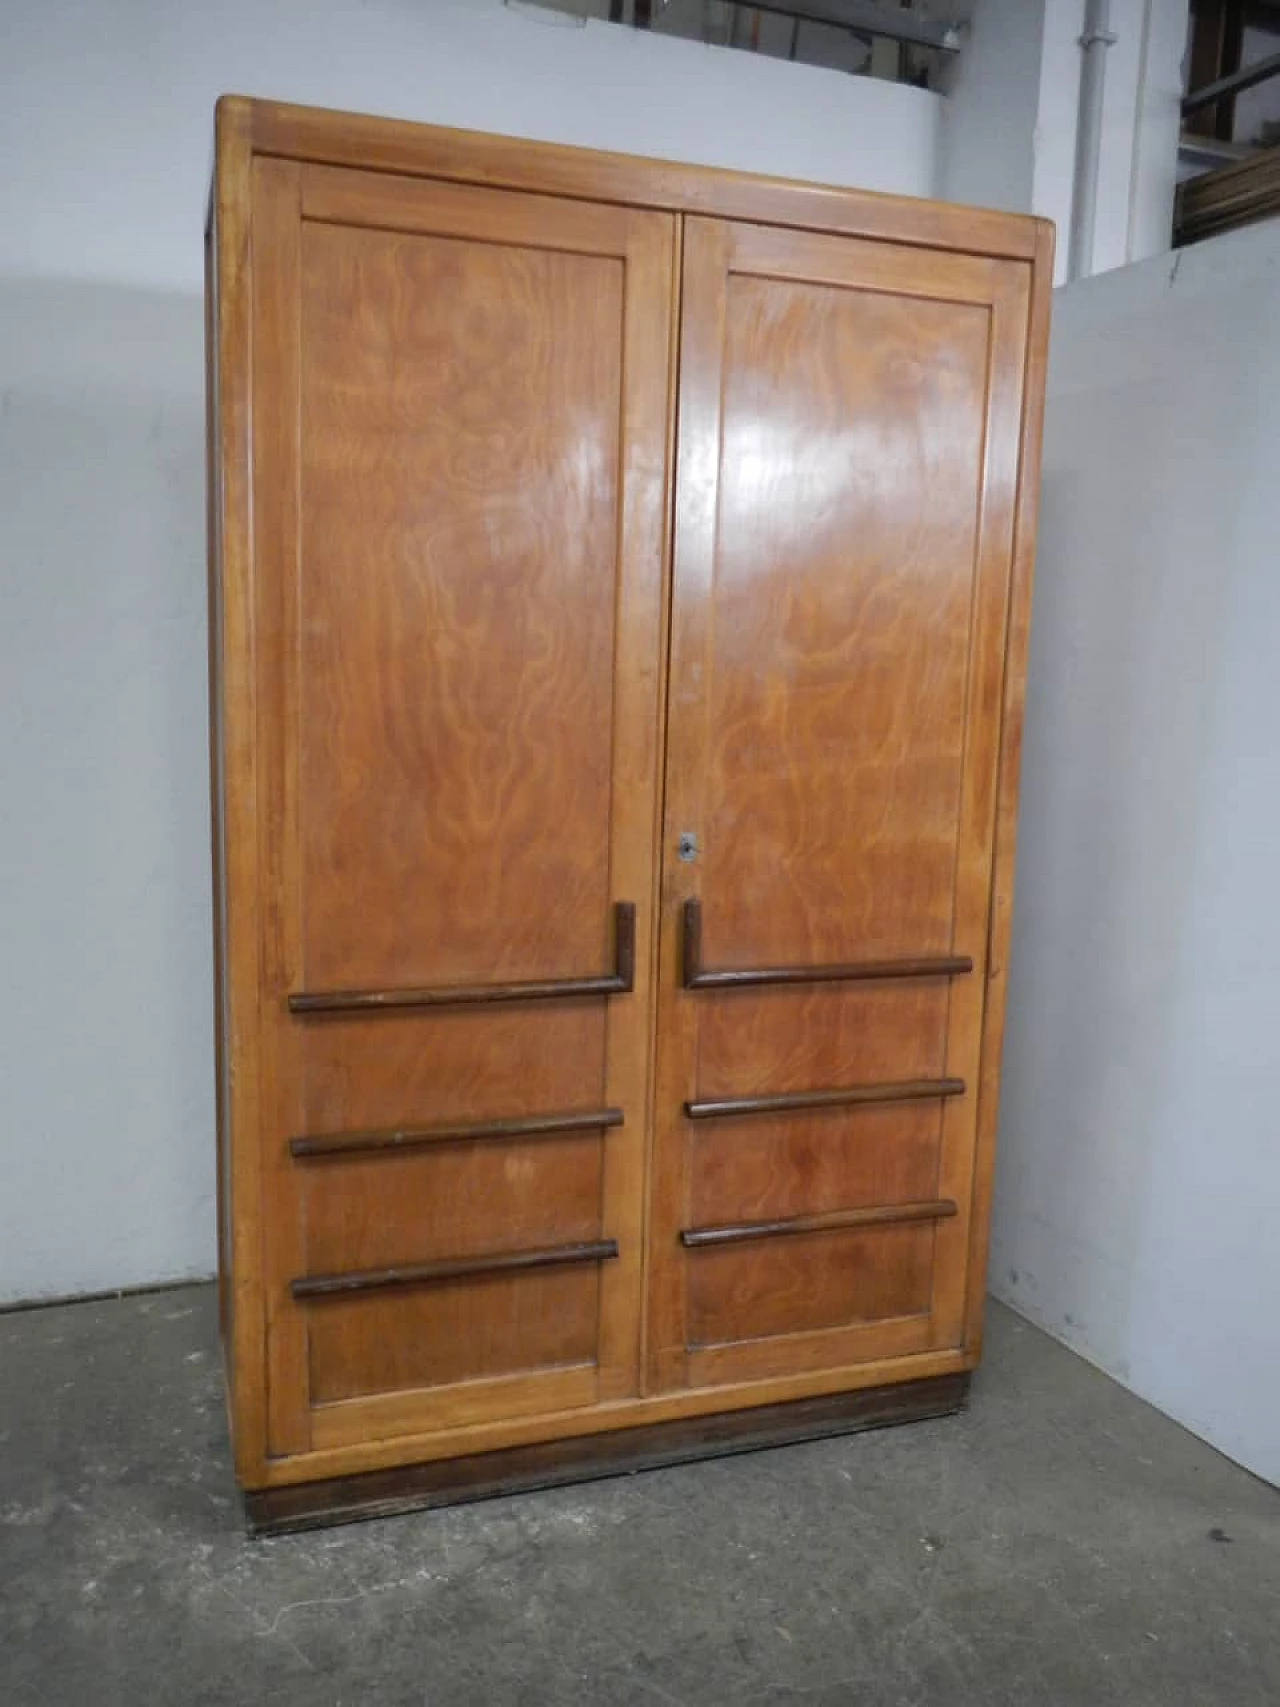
x,y
849,428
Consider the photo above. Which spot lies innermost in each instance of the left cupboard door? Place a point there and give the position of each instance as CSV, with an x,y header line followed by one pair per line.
x,y
460,402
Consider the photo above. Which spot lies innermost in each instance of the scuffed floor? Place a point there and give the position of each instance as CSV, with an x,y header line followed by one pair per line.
x,y
1061,1543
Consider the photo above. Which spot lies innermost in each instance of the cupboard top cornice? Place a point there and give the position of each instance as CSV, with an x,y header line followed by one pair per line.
x,y
394,145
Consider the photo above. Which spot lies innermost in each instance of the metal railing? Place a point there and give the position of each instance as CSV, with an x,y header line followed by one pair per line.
x,y
907,44
1248,77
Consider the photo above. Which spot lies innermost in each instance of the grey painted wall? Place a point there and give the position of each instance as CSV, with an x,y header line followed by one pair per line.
x,y
1139,1169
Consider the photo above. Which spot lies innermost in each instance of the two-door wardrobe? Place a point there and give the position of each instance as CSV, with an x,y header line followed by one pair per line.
x,y
620,578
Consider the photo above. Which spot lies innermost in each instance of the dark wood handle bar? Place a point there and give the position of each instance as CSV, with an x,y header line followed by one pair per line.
x,y
883,1215
904,1090
698,977
619,982
459,1268
416,1138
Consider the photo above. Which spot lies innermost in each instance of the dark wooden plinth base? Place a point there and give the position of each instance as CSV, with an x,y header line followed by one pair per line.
x,y
589,1457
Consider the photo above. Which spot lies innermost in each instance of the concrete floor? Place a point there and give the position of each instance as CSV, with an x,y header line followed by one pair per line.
x,y
1062,1543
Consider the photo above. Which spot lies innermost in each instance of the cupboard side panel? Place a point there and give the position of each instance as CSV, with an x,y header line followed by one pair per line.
x,y
975,846
1008,782
277,522
217,875
233,696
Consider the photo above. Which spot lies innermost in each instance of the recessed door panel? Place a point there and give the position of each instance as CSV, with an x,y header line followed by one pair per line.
x,y
850,448
769,1167
470,1195
461,409
790,1037
453,1333
848,431
823,1281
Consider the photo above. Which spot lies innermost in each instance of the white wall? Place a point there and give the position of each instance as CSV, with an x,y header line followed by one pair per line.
x,y
1140,123
1139,1169
1157,125
1008,137
107,108
106,1079
987,140
105,1007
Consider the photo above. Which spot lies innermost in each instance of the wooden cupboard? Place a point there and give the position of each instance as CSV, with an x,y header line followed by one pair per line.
x,y
619,592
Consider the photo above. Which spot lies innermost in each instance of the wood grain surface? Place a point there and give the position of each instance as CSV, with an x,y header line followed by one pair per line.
x,y
740,1293
460,508
460,469
464,1331
563,505
437,152
843,555
233,771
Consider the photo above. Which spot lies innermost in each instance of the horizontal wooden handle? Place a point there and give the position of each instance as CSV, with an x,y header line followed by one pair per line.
x,y
838,1220
396,1141
460,1268
698,977
619,982
902,1090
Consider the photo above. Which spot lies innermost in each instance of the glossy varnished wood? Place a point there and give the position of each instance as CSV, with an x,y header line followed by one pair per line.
x,y
810,1161
235,863
1005,830
848,486
466,411
444,387
995,576
759,1308
346,139
216,771
458,1353
387,1429
843,552
460,483
619,982
767,1295
277,523
461,1197
696,976
401,1068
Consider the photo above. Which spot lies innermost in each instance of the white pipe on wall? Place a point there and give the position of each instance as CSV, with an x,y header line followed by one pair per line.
x,y
1095,41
